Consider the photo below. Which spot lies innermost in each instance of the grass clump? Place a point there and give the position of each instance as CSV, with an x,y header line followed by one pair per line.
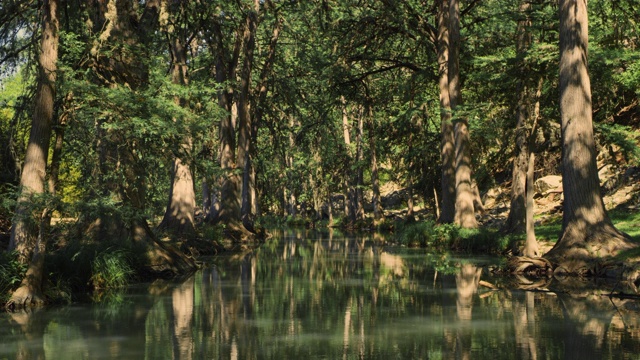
x,y
451,237
481,240
296,220
427,234
111,270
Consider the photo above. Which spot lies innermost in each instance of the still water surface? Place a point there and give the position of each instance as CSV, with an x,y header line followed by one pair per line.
x,y
320,295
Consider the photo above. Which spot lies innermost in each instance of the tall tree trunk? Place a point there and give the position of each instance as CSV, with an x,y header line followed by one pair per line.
x,y
245,126
447,151
588,236
180,213
230,192
375,181
349,196
465,211
32,182
226,66
260,105
410,210
359,193
291,200
531,248
516,219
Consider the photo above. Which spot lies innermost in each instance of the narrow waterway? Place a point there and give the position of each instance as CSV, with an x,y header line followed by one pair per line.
x,y
321,295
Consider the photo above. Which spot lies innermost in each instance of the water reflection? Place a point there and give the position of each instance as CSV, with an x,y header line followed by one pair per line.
x,y
323,295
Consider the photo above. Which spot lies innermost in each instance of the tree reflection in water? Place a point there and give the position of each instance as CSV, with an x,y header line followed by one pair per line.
x,y
323,295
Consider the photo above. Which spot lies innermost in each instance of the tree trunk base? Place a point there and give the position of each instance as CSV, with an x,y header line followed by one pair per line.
x,y
27,296
238,233
161,257
591,253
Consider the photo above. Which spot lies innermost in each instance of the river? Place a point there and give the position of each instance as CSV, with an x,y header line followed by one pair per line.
x,y
322,295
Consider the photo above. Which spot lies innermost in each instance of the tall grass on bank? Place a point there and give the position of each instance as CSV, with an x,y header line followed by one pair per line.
x,y
111,269
451,237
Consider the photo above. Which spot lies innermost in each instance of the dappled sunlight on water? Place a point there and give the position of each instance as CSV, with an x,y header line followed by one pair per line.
x,y
321,295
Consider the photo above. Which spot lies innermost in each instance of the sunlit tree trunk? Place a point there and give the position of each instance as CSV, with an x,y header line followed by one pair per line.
x,y
290,197
32,180
465,211
516,220
27,233
349,196
359,193
180,213
587,232
245,120
447,152
410,210
531,248
230,182
375,181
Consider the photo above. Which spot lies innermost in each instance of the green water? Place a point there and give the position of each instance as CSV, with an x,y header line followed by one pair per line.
x,y
313,295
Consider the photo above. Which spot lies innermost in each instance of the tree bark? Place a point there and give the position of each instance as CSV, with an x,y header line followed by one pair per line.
x,y
359,196
465,211
516,219
226,65
375,181
531,248
349,196
245,126
447,152
24,232
588,236
32,181
180,213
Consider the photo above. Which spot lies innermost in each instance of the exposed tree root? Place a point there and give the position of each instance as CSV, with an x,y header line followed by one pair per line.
x,y
27,296
161,256
529,266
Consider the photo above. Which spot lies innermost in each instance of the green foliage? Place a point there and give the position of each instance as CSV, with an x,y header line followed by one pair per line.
x,y
428,234
481,240
11,274
82,265
442,237
297,220
111,269
623,137
213,232
270,221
